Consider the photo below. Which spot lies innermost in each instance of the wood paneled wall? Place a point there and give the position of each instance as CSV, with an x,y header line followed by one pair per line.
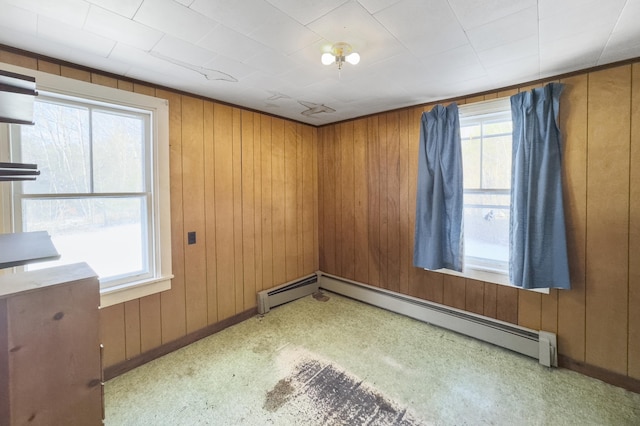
x,y
367,188
246,183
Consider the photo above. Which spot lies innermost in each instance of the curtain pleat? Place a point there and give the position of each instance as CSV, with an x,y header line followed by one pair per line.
x,y
538,246
438,230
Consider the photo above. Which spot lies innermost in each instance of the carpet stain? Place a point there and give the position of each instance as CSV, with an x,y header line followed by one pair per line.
x,y
320,296
279,395
327,395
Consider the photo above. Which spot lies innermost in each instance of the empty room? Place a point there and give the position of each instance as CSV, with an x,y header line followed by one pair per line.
x,y
339,212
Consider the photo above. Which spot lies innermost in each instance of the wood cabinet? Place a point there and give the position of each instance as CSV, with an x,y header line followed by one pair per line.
x,y
50,369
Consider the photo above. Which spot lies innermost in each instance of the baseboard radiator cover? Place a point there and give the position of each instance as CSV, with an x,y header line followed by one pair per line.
x,y
287,292
540,345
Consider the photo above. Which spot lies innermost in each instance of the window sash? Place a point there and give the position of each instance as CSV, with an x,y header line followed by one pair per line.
x,y
148,257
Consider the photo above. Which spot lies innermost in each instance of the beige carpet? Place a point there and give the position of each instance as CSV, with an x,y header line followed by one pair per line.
x,y
341,362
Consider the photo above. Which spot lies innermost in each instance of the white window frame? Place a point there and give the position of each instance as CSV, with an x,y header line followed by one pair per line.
x,y
61,87
484,108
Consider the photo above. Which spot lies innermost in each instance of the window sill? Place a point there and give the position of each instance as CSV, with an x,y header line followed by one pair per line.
x,y
489,277
123,293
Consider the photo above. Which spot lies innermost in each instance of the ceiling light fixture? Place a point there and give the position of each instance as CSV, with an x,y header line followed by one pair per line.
x,y
340,52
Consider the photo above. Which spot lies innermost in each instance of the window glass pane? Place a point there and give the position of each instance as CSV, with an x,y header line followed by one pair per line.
x,y
496,162
486,226
118,152
497,127
108,233
471,163
59,144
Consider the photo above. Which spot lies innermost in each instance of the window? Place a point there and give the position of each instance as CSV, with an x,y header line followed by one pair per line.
x,y
485,130
103,189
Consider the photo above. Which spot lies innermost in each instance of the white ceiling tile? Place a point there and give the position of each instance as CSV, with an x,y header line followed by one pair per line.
x,y
510,51
283,33
141,61
126,8
306,11
71,12
180,50
424,28
626,33
74,37
230,43
234,68
454,66
119,28
175,19
242,16
514,72
473,13
374,6
271,62
583,20
520,25
18,19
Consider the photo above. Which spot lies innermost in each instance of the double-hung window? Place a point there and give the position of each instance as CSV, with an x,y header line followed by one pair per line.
x,y
485,130
103,189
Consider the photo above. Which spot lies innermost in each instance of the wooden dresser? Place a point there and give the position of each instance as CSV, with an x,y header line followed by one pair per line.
x,y
50,368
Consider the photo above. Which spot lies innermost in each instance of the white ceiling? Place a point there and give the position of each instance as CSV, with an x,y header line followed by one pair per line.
x,y
265,54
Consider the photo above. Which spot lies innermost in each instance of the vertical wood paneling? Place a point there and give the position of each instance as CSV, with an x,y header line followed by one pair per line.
x,y
634,229
48,67
112,333
316,201
393,202
210,213
454,291
132,328
346,259
384,201
361,229
290,200
328,236
193,212
224,209
278,201
248,212
236,168
339,247
490,303
267,226
406,252
571,304
173,301
373,200
507,304
257,188
549,311
150,322
608,218
300,213
18,60
309,202
529,309
474,296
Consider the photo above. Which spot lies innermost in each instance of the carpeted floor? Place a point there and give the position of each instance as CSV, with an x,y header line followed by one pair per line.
x,y
335,361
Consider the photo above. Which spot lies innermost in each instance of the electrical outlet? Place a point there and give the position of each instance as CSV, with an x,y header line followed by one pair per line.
x,y
191,237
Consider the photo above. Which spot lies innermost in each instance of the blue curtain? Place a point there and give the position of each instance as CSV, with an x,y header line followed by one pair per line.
x,y
438,231
538,245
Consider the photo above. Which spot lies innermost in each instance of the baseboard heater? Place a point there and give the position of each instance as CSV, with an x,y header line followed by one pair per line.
x,y
540,345
287,292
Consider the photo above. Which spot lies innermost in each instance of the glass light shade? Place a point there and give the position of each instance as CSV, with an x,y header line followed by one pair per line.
x,y
327,58
353,58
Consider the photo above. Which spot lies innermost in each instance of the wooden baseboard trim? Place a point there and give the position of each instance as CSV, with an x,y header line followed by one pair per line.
x,y
128,365
599,373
